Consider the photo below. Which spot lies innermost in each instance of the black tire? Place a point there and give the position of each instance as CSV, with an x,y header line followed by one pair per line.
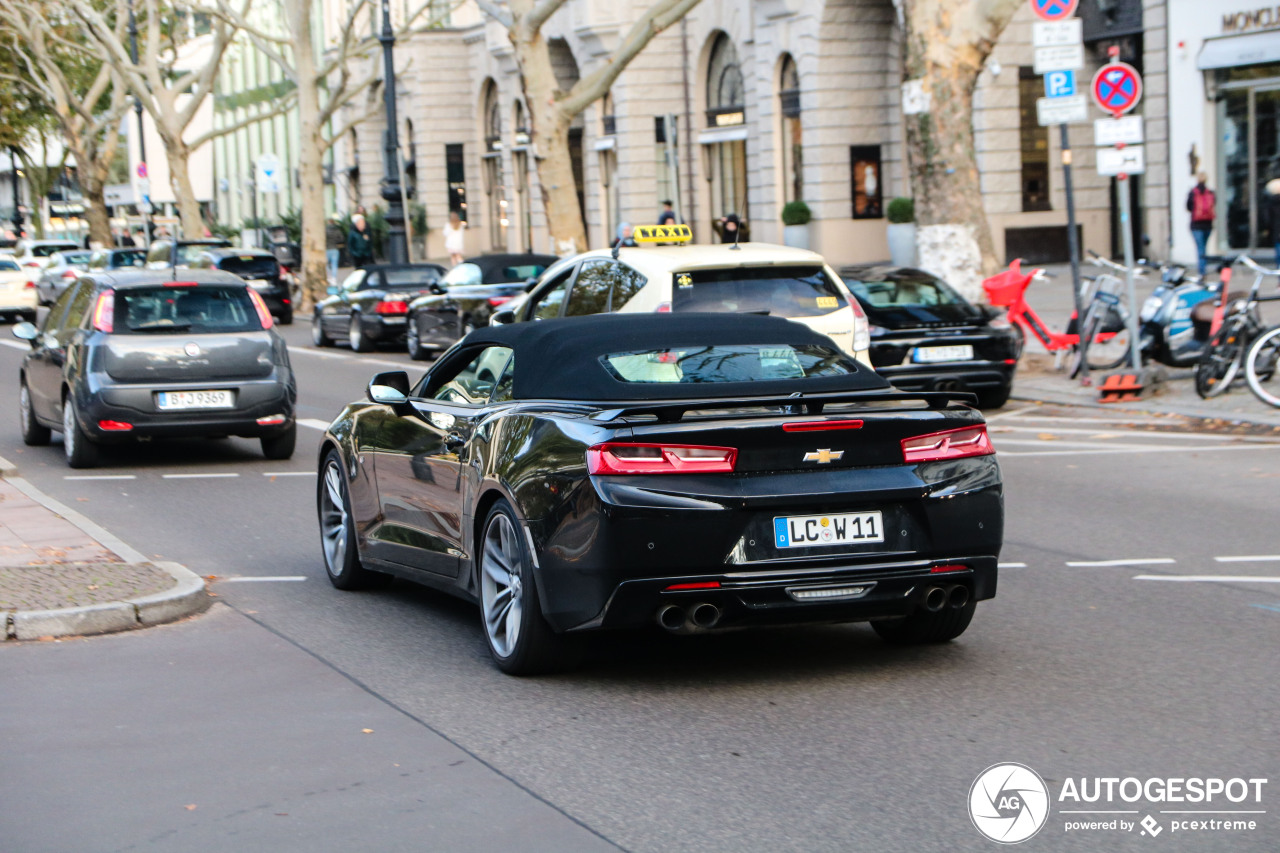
x,y
413,341
33,434
535,647
30,316
1221,361
1022,340
994,398
1260,366
80,450
338,531
318,336
355,334
286,317
923,627
280,446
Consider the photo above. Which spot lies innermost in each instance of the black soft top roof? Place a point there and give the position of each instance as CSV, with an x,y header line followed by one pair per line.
x,y
493,267
560,359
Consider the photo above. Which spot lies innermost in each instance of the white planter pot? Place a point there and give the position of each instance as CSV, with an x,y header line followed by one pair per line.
x,y
902,244
796,236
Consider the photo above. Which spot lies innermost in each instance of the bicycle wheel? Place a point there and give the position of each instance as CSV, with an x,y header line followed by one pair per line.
x,y
1221,361
1088,332
1111,353
1260,367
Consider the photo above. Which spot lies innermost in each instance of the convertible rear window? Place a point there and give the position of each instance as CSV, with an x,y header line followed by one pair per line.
x,y
728,363
411,277
804,291
157,310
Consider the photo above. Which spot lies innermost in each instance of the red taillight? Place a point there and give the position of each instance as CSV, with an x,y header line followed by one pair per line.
x,y
69,274
392,307
951,444
663,308
114,426
675,587
30,284
104,313
34,265
495,301
819,426
941,570
285,301
264,316
628,458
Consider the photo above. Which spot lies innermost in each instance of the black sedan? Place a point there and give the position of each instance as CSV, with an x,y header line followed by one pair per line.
x,y
147,354
371,306
926,336
260,269
473,290
694,471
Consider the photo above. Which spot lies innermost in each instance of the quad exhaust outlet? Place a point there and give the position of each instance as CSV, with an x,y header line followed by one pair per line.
x,y
700,617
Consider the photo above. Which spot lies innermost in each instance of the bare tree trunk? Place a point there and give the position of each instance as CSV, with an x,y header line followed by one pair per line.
x,y
945,46
99,219
550,127
179,157
315,277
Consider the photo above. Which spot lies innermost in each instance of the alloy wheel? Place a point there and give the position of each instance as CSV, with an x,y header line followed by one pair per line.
x,y
501,585
333,520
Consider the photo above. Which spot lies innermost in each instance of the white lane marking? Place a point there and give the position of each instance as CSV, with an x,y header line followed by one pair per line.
x,y
1084,445
351,358
1011,565
1026,417
100,477
15,345
1260,558
1120,433
197,476
313,423
263,579
1128,448
1135,561
288,473
1207,578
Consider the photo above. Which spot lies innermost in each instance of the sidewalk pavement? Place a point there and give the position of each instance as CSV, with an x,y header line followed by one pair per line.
x,y
62,575
1038,381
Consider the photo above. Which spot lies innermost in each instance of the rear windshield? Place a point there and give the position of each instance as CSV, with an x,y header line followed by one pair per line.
x,y
728,363
249,266
208,308
132,258
9,266
908,287
408,278
47,250
72,258
777,291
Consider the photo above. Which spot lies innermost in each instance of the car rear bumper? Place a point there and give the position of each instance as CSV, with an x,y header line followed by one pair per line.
x,y
937,377
389,328
136,405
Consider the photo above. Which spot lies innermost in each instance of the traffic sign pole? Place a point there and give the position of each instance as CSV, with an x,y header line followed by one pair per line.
x,y
1073,247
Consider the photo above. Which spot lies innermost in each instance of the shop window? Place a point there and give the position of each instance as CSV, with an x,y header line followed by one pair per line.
x,y
1034,144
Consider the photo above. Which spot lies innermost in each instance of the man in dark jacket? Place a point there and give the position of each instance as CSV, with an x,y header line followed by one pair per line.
x,y
1201,204
358,244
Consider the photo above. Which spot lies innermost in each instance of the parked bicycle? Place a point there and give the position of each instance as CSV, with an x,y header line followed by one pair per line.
x,y
1233,325
1110,338
1264,352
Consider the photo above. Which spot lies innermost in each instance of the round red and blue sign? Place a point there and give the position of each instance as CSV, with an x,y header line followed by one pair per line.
x,y
1117,88
1054,10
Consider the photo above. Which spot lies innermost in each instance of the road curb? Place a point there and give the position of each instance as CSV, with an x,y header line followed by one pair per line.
x,y
1038,395
187,597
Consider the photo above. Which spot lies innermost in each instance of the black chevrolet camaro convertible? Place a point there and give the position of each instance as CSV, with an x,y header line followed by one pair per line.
x,y
695,471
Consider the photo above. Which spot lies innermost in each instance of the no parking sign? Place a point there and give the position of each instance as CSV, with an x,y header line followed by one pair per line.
x,y
1054,10
1117,88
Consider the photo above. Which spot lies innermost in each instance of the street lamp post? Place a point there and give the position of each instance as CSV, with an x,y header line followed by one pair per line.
x,y
143,204
17,202
397,244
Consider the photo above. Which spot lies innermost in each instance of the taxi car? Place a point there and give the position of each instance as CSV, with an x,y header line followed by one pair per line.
x,y
18,295
693,471
665,273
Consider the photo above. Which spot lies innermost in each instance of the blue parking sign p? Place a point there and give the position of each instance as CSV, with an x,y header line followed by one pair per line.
x,y
1059,84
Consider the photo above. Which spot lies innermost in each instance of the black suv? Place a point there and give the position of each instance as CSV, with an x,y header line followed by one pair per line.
x,y
154,353
260,269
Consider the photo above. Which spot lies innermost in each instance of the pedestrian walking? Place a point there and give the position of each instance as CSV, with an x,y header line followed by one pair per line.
x,y
358,244
730,226
1202,205
126,239
454,240
334,242
668,214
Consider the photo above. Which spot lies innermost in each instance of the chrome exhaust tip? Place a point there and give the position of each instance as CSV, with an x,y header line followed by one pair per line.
x,y
935,598
958,597
671,617
704,615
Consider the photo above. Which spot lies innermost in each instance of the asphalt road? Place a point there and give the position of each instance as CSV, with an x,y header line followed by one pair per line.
x,y
1121,644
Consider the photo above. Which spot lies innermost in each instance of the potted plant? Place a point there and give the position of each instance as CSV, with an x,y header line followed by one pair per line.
x,y
795,224
901,214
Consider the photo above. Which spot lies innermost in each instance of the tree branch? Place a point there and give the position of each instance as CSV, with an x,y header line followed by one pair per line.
x,y
499,14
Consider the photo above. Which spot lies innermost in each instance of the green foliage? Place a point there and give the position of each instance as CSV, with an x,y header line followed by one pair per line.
x,y
901,210
252,224
226,232
379,230
418,219
796,213
291,219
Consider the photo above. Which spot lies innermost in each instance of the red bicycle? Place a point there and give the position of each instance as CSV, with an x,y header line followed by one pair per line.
x,y
1108,345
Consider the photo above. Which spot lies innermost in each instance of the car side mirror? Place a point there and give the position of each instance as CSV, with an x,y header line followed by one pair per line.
x,y
389,389
436,288
27,332
530,282
503,317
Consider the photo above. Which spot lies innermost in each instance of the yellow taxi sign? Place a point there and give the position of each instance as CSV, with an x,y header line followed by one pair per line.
x,y
662,234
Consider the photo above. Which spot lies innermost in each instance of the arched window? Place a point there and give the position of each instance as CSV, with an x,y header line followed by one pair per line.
x,y
494,178
724,79
726,111
791,139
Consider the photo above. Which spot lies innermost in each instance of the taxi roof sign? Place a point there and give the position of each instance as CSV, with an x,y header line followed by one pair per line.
x,y
662,234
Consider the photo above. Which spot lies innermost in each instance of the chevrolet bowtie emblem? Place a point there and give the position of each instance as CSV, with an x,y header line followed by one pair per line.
x,y
823,456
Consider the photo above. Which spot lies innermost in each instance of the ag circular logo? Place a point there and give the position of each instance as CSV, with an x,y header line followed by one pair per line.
x,y
1009,803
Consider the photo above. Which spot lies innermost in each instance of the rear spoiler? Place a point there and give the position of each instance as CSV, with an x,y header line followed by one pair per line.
x,y
671,411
